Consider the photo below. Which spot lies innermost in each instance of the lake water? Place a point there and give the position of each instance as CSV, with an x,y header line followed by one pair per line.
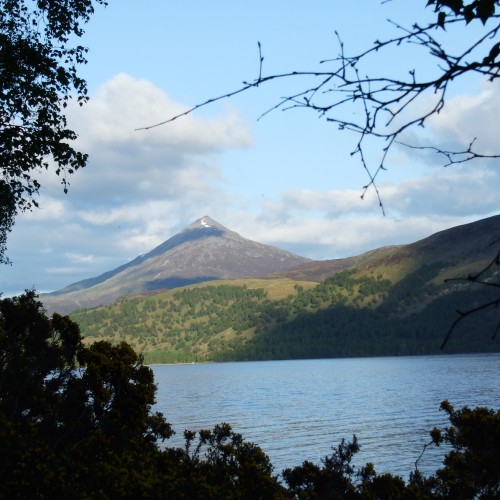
x,y
297,410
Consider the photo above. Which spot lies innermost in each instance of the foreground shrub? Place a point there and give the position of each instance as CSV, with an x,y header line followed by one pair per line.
x,y
77,422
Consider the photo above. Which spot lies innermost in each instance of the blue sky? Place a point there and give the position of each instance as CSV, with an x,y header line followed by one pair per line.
x,y
287,179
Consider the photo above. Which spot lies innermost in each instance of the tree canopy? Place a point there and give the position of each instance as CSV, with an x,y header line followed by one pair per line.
x,y
38,77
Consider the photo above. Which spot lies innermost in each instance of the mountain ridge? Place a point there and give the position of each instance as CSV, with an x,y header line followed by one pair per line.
x,y
469,245
200,253
203,251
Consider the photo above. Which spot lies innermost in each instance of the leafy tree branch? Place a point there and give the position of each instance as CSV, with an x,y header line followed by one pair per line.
x,y
38,78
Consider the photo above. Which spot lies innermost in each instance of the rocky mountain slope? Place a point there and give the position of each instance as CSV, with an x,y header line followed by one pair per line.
x,y
204,251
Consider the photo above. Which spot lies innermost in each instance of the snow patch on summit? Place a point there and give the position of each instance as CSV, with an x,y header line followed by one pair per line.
x,y
204,223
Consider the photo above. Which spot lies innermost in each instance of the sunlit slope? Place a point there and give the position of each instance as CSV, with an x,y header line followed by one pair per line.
x,y
394,302
461,250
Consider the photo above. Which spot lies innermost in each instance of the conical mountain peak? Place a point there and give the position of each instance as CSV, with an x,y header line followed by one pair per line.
x,y
204,251
206,222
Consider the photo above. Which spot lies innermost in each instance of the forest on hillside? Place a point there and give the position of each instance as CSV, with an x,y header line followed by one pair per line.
x,y
349,314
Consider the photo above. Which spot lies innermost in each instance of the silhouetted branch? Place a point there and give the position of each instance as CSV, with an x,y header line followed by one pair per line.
x,y
339,91
454,157
470,312
477,279
424,448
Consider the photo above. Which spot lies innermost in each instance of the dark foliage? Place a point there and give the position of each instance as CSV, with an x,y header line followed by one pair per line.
x,y
71,418
472,468
7,214
77,422
38,78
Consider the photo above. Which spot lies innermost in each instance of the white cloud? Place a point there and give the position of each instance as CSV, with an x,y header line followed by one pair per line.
x,y
454,191
128,165
50,210
79,258
65,270
125,104
333,202
459,191
320,237
466,117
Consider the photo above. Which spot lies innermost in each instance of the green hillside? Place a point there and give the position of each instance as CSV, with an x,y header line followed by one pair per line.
x,y
354,313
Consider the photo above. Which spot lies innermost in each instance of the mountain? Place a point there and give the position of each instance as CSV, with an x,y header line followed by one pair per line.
x,y
204,251
390,301
460,250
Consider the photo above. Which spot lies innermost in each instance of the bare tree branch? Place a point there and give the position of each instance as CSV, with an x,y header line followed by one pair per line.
x,y
479,279
470,312
454,157
387,106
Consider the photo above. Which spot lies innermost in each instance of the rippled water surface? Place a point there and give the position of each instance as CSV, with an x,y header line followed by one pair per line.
x,y
297,410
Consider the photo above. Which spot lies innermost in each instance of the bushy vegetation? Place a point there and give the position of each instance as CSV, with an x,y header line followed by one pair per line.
x,y
349,314
78,422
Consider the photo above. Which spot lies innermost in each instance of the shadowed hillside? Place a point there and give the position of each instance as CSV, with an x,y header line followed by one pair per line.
x,y
394,302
